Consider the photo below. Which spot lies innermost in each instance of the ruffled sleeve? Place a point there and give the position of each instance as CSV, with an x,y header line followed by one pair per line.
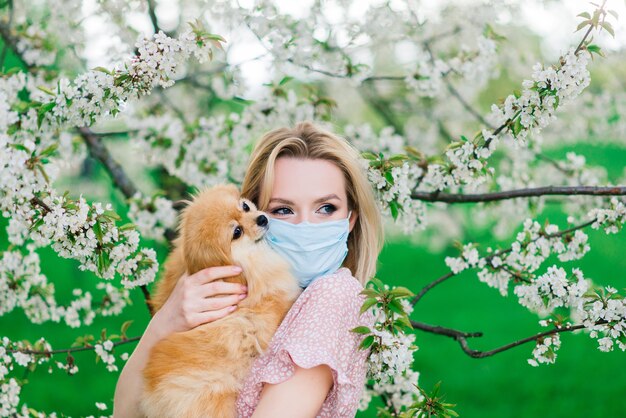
x,y
316,331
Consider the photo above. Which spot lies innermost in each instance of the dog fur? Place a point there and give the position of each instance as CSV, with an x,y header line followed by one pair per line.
x,y
198,373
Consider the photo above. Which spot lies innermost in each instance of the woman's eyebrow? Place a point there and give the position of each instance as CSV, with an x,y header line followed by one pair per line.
x,y
321,199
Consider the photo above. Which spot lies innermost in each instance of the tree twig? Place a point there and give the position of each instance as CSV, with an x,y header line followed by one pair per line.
x,y
488,258
518,193
69,350
462,337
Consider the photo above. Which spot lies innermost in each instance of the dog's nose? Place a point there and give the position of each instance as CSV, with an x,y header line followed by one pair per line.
x,y
261,220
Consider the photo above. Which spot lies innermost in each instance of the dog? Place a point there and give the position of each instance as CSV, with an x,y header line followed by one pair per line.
x,y
198,373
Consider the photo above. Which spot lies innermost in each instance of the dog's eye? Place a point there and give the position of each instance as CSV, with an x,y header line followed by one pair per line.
x,y
246,208
237,232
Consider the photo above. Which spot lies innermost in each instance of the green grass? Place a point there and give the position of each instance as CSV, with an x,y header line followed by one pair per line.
x,y
583,382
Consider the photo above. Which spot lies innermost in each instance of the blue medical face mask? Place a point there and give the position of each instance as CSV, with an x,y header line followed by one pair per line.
x,y
313,249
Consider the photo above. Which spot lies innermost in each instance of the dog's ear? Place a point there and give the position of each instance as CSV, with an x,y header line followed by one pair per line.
x,y
178,205
199,255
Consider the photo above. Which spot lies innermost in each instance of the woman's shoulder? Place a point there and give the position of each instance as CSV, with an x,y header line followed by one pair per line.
x,y
336,296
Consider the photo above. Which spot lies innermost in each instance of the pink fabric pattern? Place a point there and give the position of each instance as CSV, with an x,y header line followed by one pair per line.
x,y
315,331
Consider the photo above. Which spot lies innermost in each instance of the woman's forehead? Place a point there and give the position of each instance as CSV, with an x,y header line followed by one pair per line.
x,y
307,179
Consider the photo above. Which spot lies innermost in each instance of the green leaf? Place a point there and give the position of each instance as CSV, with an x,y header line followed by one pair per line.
x,y
405,321
111,214
517,126
46,107
370,293
488,32
389,177
98,230
593,48
367,341
361,330
19,147
398,157
395,306
125,326
49,150
46,90
377,282
608,27
393,206
41,113
368,304
586,15
103,70
582,25
126,227
36,224
401,291
285,80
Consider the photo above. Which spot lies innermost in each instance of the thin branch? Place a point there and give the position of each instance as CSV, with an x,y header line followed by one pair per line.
x,y
465,104
115,133
115,170
554,163
70,350
455,92
369,93
488,258
37,201
462,337
153,17
448,332
429,286
514,194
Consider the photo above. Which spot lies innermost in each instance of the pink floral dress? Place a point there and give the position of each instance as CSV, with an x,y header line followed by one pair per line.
x,y
315,331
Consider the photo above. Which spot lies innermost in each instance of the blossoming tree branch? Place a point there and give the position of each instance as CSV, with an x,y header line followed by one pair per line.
x,y
179,99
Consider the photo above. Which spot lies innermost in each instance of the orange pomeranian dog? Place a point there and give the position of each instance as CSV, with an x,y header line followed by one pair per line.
x,y
198,373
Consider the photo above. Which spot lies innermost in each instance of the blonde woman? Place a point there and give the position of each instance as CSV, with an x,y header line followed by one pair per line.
x,y
325,221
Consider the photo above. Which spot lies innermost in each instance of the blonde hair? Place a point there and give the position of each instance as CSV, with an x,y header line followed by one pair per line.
x,y
306,140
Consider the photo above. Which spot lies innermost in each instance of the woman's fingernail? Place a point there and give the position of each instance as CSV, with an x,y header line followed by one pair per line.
x,y
237,269
243,295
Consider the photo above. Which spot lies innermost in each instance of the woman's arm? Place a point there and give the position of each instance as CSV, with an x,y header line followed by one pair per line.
x,y
130,383
193,302
300,396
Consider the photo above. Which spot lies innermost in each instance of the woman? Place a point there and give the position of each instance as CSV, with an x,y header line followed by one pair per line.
x,y
302,178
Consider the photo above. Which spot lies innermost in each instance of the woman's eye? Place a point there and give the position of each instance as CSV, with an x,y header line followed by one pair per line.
x,y
238,232
331,209
246,208
276,211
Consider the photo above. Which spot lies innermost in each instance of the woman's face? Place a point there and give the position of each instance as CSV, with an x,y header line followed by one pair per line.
x,y
310,190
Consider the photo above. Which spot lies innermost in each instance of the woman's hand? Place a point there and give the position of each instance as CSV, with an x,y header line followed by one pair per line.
x,y
195,301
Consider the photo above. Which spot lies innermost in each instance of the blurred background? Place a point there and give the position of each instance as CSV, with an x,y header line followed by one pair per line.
x,y
584,382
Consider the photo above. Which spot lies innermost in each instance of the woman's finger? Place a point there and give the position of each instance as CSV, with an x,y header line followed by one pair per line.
x,y
218,302
210,274
210,316
219,287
